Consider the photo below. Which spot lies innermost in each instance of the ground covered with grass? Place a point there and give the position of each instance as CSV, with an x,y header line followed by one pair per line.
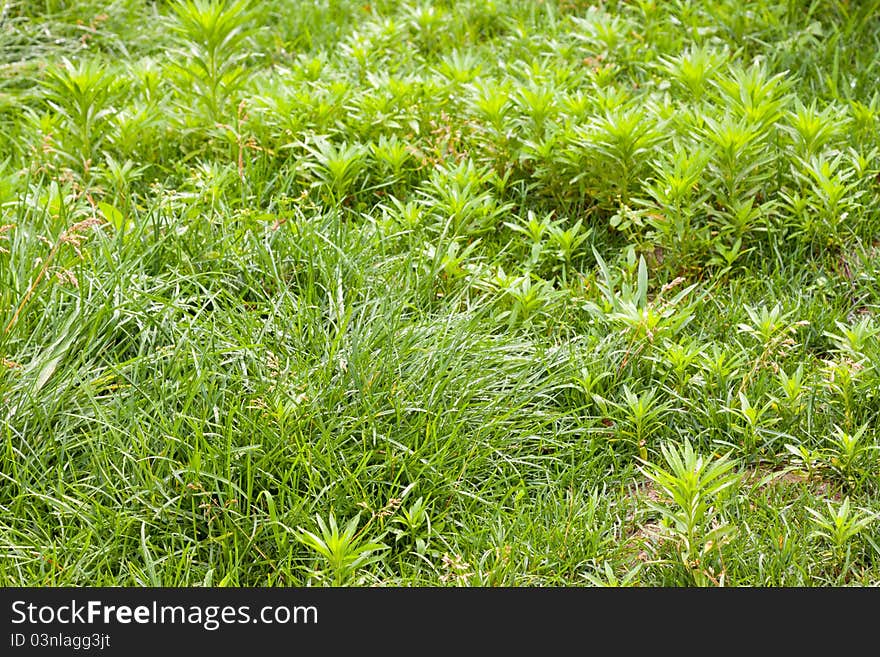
x,y
519,292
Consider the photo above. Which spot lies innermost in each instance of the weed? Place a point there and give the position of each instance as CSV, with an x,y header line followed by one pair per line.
x,y
264,273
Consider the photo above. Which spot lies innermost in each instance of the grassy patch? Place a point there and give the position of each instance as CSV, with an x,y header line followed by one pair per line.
x,y
442,293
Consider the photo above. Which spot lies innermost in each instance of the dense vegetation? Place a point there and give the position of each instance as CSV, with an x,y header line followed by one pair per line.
x,y
517,292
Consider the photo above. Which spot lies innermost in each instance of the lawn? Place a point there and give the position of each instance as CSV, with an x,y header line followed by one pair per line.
x,y
439,293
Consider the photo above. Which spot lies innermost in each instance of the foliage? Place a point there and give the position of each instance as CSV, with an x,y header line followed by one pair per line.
x,y
439,293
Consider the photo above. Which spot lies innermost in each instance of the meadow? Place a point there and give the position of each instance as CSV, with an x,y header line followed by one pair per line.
x,y
439,293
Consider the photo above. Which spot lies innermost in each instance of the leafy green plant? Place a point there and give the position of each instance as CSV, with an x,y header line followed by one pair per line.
x,y
534,230
681,358
755,94
213,47
810,461
694,484
641,416
500,249
458,196
852,457
793,389
629,307
840,526
755,421
84,96
565,242
812,129
677,201
741,163
773,329
618,145
854,339
606,577
522,298
694,68
413,525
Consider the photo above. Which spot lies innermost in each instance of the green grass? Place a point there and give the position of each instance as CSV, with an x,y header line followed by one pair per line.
x,y
443,293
